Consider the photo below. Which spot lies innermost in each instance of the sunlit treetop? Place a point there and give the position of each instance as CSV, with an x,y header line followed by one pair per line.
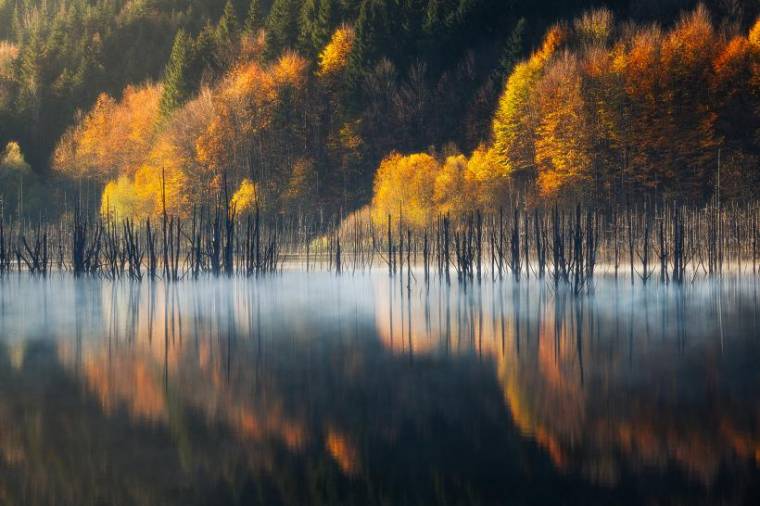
x,y
8,54
595,27
113,137
335,56
514,112
290,70
12,159
754,35
690,42
245,198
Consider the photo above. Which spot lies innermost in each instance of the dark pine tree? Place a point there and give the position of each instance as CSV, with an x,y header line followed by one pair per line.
x,y
177,76
282,26
254,18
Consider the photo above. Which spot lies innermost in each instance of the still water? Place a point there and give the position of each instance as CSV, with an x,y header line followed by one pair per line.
x,y
310,389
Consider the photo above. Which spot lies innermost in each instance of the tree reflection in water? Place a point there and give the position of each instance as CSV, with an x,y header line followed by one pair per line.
x,y
314,390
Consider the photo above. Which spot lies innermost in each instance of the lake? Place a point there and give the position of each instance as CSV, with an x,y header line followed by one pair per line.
x,y
311,388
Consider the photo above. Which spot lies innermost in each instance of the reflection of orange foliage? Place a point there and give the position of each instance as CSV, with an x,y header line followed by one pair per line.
x,y
11,449
595,426
343,451
745,445
129,381
254,426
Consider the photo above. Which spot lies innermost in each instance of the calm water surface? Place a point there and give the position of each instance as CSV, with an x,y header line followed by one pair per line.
x,y
310,389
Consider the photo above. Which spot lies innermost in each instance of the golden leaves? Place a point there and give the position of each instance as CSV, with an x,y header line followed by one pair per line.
x,y
334,57
114,137
404,188
417,187
562,149
127,145
245,197
636,110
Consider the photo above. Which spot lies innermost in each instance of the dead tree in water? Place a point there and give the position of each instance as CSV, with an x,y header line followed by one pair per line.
x,y
337,255
408,259
631,243
559,260
35,257
85,255
214,245
679,264
526,245
165,226
390,248
196,230
5,257
150,244
540,240
446,252
112,251
514,244
257,239
479,242
425,256
754,240
644,256
663,247
577,262
133,250
592,243
229,232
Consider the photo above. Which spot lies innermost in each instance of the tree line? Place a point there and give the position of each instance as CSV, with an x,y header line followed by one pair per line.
x,y
299,100
605,113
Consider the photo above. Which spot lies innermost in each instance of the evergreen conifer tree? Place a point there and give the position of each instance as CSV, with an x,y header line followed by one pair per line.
x,y
177,78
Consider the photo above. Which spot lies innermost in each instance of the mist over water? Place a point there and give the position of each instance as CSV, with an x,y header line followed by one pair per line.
x,y
360,389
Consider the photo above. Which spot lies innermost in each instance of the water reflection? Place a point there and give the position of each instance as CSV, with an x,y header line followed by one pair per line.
x,y
309,389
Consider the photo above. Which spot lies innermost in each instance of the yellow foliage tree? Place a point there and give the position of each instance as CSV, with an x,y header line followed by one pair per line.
x,y
122,198
451,192
334,57
403,189
486,178
515,119
245,198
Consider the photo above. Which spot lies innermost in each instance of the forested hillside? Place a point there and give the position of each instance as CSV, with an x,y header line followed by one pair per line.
x,y
293,103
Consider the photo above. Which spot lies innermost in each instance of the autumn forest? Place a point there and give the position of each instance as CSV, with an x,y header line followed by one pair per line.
x,y
415,109
379,252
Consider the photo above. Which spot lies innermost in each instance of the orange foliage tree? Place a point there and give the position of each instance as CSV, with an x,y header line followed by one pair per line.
x,y
113,138
245,128
626,109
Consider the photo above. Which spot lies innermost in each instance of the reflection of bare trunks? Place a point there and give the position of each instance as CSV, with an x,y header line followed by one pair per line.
x,y
427,389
